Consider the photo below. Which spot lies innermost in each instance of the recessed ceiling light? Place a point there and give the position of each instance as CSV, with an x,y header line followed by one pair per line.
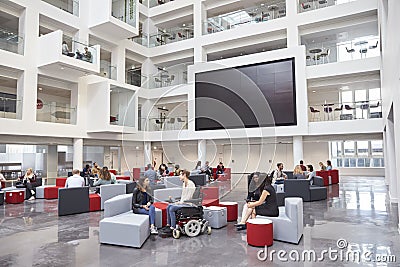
x,y
262,4
183,24
137,147
62,68
40,88
314,91
155,147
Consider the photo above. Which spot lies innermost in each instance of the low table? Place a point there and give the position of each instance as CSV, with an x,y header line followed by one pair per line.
x,y
216,216
260,232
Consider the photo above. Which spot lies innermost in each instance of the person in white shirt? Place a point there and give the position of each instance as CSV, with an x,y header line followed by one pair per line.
x,y
279,176
188,188
2,179
75,180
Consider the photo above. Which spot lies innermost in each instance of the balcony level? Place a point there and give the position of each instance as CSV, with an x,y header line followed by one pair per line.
x,y
114,104
119,19
67,65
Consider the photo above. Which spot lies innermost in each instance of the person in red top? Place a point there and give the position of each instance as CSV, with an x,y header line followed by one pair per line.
x,y
303,168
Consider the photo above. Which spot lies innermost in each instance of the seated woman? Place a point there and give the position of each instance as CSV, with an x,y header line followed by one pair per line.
x,y
323,167
328,165
177,170
106,177
142,202
28,180
163,170
255,188
265,206
311,173
188,189
298,173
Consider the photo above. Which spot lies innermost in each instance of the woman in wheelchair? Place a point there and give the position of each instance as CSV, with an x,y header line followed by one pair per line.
x,y
266,205
142,202
188,188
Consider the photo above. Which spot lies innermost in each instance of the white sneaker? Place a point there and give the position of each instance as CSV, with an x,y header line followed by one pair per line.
x,y
153,231
32,198
33,192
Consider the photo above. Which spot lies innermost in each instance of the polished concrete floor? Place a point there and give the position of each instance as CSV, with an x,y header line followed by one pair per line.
x,y
357,210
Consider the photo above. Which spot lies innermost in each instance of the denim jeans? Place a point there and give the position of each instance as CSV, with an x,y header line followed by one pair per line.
x,y
171,216
151,212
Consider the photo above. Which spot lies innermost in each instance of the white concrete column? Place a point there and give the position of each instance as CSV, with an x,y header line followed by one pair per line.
x,y
293,36
202,150
297,149
199,19
78,154
391,159
52,161
147,153
118,63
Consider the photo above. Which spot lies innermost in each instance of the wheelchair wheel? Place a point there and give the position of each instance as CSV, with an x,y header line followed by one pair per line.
x,y
209,230
176,233
193,228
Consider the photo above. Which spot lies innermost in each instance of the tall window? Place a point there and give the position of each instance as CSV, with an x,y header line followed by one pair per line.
x,y
357,154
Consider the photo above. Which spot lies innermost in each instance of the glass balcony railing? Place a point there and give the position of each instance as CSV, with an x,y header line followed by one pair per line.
x,y
10,108
171,35
308,5
125,11
170,123
70,6
142,39
136,79
165,78
322,53
243,17
109,72
56,113
369,109
11,42
82,52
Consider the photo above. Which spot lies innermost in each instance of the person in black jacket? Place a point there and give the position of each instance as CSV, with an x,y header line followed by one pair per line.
x,y
142,202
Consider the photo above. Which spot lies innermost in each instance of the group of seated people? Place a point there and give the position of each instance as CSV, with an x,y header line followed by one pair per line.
x,y
86,56
142,201
208,170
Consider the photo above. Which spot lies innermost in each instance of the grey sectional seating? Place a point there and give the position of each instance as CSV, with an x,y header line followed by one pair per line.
x,y
73,200
288,227
158,186
163,194
111,190
126,229
121,204
129,185
301,188
172,181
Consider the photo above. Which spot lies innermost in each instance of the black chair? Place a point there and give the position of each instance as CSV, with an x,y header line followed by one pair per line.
x,y
339,108
350,50
313,112
130,187
374,46
347,107
73,200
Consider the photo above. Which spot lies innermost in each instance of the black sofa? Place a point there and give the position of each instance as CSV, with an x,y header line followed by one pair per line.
x,y
73,200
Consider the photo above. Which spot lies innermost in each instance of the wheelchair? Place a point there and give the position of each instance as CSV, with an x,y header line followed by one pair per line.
x,y
189,221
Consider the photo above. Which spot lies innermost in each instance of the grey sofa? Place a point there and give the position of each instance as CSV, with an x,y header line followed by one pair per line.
x,y
288,226
111,190
303,189
73,200
172,181
163,194
198,179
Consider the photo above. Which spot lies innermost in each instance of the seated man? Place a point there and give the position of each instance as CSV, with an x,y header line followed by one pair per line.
x,y
207,170
279,176
87,56
29,181
75,180
188,188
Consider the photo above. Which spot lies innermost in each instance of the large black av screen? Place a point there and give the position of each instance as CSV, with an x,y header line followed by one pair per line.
x,y
259,95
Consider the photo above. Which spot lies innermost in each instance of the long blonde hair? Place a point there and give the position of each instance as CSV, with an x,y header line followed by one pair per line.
x,y
297,170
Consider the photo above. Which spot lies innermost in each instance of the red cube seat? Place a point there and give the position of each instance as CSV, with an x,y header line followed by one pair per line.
x,y
120,177
163,207
15,196
60,182
94,202
51,192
